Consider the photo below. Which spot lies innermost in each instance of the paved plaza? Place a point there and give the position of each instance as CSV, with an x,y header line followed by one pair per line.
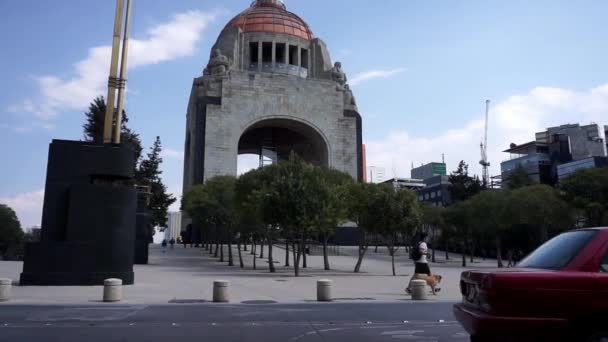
x,y
185,275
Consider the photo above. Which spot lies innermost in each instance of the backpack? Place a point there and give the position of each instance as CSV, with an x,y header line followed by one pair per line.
x,y
415,252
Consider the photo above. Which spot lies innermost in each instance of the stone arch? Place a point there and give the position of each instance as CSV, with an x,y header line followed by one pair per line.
x,y
285,134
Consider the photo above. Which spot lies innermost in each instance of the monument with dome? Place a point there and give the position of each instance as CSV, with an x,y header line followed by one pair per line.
x,y
270,88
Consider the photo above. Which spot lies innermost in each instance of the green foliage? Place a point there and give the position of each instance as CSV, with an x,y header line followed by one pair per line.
x,y
93,127
148,174
11,234
214,202
540,206
462,186
587,191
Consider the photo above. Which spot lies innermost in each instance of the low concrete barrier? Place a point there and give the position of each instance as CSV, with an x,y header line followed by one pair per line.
x,y
112,290
221,293
418,288
5,289
324,290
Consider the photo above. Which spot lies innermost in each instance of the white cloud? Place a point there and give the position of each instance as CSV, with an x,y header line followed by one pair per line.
x,y
168,153
374,74
166,41
28,207
514,119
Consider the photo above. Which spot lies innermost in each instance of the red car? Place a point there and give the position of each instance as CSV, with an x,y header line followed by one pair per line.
x,y
559,292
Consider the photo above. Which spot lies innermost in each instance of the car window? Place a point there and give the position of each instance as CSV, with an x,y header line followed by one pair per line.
x,y
559,251
604,264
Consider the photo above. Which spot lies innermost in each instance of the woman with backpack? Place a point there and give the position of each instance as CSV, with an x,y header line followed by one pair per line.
x,y
419,255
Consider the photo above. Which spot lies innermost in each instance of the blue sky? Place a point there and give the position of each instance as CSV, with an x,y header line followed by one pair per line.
x,y
421,71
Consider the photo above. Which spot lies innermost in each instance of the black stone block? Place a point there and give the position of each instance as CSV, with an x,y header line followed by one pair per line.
x,y
88,225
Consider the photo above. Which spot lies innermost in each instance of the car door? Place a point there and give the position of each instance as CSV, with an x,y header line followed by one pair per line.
x,y
602,281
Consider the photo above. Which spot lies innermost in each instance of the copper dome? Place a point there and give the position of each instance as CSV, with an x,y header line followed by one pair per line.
x,y
270,16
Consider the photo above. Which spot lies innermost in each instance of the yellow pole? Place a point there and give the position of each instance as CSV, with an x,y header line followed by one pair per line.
x,y
109,117
123,74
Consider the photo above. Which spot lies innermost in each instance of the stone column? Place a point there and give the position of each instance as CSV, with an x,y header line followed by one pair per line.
x,y
287,53
274,54
260,55
299,57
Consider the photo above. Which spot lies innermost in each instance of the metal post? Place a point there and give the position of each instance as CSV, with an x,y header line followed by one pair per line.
x,y
109,117
123,73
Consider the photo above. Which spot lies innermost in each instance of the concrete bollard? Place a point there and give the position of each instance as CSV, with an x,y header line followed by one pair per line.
x,y
5,289
221,292
112,290
324,287
418,288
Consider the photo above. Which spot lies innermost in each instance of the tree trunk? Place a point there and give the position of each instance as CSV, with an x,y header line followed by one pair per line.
x,y
297,262
217,249
286,253
304,265
325,256
230,259
464,254
245,245
255,255
499,252
294,251
221,252
262,249
270,260
447,250
362,250
253,245
376,250
240,255
392,251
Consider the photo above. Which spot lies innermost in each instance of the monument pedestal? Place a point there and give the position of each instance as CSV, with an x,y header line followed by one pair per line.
x,y
88,220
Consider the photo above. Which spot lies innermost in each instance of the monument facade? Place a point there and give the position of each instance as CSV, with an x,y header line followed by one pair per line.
x,y
270,88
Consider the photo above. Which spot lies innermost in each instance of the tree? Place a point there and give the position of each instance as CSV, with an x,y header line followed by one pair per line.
x,y
358,199
214,203
331,194
400,216
457,222
432,217
462,186
93,127
11,234
587,191
541,207
148,174
519,179
491,216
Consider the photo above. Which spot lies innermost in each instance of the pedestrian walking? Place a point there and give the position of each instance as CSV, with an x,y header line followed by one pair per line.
x,y
172,242
420,252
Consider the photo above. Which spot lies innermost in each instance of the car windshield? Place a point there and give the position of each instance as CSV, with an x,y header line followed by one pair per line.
x,y
559,251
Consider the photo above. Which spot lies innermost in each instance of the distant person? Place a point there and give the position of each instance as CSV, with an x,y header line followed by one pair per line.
x,y
421,264
164,243
183,239
172,242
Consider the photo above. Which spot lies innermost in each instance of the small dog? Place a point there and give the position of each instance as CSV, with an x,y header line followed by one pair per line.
x,y
432,281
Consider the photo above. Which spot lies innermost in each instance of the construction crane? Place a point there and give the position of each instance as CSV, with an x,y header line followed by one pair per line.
x,y
485,164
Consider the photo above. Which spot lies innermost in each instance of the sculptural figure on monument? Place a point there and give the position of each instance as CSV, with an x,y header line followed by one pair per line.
x,y
338,75
349,98
219,64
